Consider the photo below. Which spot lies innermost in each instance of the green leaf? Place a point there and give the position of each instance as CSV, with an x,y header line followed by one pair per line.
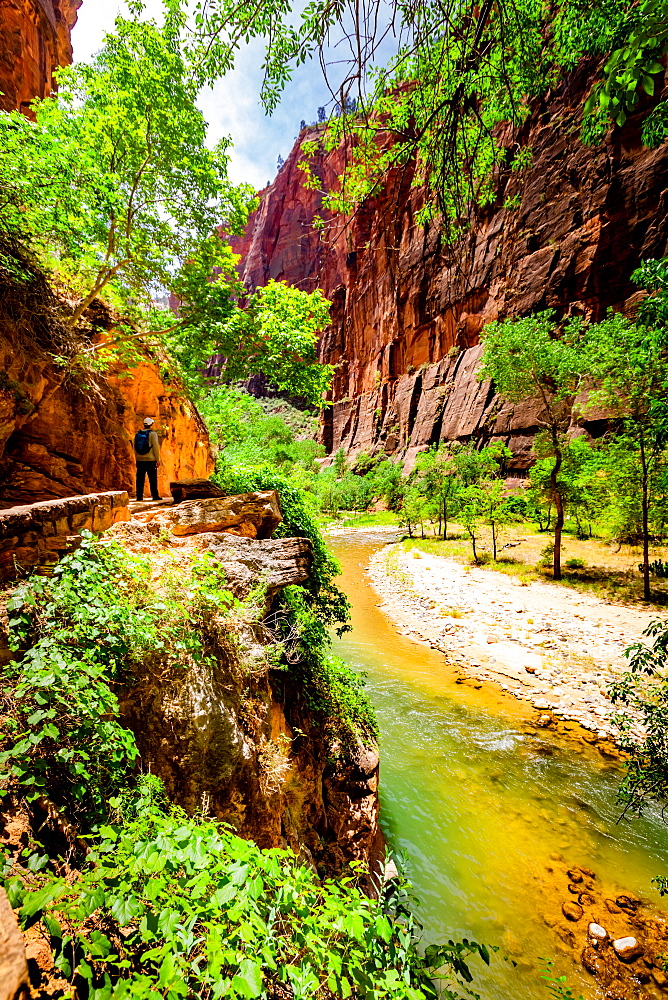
x,y
248,981
125,908
36,901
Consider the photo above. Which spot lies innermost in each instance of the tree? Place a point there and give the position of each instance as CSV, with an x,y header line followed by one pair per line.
x,y
583,480
277,333
496,510
531,358
471,513
439,478
114,179
412,511
629,361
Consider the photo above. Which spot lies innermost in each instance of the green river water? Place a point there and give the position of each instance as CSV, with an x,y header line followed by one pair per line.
x,y
476,805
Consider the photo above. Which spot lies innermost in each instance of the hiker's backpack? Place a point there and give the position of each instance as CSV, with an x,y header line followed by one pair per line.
x,y
143,442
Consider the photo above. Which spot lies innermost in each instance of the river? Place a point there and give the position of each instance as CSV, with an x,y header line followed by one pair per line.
x,y
476,801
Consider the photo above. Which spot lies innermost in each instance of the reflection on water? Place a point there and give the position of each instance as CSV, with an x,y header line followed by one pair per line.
x,y
476,804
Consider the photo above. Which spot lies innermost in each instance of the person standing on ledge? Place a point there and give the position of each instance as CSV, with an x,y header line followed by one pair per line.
x,y
147,453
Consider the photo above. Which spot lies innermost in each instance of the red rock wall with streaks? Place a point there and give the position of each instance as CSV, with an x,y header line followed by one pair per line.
x,y
34,42
60,437
407,309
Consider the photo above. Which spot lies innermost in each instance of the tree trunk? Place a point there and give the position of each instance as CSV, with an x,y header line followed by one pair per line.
x,y
445,521
494,540
559,507
475,554
646,591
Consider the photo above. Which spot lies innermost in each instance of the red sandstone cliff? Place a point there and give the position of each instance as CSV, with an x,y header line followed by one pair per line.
x,y
407,309
62,433
34,42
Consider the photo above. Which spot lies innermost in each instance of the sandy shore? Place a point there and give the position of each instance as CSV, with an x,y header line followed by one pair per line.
x,y
559,649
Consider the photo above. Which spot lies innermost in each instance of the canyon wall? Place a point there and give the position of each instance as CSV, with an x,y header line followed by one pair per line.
x,y
66,429
34,42
60,438
565,234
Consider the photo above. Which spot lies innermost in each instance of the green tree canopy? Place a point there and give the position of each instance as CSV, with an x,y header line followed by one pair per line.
x,y
531,359
113,180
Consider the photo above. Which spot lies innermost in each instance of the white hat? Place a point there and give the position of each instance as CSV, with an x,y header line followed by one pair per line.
x,y
148,421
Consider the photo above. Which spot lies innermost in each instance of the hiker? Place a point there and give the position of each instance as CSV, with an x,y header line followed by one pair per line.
x,y
147,453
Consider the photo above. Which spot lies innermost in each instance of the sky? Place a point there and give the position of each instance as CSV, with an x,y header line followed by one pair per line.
x,y
232,108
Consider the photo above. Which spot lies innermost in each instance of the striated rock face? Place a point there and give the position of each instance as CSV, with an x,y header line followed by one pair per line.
x,y
407,309
277,562
34,42
60,437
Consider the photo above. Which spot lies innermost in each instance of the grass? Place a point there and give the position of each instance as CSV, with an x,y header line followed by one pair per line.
x,y
592,565
355,519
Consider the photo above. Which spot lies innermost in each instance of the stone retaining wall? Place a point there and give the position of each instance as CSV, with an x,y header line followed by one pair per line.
x,y
38,534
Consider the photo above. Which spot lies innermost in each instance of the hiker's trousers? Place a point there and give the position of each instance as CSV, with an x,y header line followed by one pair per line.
x,y
149,469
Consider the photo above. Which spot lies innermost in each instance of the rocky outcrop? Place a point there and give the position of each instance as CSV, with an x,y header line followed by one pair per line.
x,y
194,489
274,563
566,233
14,984
36,536
235,733
254,515
34,42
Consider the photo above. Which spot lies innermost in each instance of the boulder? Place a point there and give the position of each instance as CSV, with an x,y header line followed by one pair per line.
x,y
572,911
194,489
251,515
13,965
597,932
249,562
627,948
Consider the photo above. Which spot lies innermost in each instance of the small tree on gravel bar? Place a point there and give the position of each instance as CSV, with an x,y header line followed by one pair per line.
x,y
532,358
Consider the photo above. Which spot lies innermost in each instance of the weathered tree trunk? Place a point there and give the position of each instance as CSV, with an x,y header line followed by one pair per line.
x,y
559,507
646,590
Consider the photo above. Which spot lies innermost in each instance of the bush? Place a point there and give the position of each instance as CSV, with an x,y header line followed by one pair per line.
x,y
575,564
199,912
76,638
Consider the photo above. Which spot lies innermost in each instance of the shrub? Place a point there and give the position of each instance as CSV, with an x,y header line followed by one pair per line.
x,y
199,912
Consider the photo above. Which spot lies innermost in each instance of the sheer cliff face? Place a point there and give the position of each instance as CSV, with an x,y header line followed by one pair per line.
x,y
407,310
34,42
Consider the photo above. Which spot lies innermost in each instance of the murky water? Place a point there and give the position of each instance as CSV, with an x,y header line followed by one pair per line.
x,y
477,805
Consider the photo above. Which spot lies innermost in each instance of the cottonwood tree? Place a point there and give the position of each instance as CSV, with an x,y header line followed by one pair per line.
x,y
532,359
628,360
114,180
115,188
440,478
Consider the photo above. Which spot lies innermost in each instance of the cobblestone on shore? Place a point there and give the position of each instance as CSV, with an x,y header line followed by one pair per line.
x,y
556,648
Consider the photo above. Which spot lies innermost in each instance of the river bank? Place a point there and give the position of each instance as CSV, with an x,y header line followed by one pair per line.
x,y
557,649
503,822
